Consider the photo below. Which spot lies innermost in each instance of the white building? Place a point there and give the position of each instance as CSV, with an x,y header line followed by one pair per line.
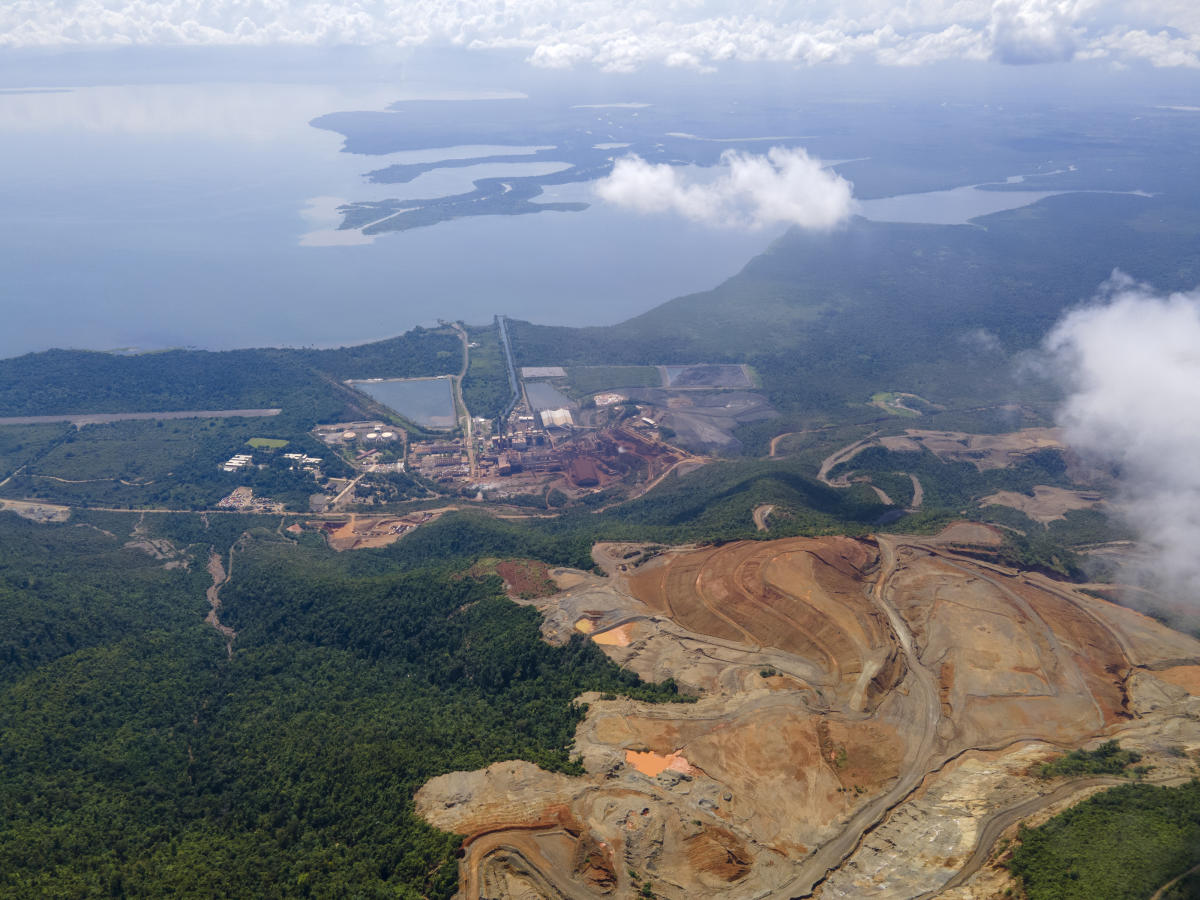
x,y
556,417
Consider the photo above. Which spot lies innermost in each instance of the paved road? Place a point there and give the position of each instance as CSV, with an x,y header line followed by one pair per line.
x,y
468,427
333,504
81,419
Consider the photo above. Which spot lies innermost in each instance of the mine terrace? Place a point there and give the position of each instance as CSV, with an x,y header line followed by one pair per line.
x,y
855,695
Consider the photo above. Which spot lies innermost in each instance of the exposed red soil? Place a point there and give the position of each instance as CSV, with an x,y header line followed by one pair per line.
x,y
800,595
884,661
719,852
525,579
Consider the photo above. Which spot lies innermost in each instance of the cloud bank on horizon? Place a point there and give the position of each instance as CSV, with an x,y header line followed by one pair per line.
x,y
1131,365
624,35
750,191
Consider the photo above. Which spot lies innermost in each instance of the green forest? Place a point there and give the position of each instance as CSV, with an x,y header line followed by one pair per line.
x,y
304,383
1122,844
137,759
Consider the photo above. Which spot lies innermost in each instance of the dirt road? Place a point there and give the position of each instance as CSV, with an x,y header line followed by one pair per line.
x,y
921,687
918,492
219,577
761,513
847,453
1001,820
844,454
1174,881
882,495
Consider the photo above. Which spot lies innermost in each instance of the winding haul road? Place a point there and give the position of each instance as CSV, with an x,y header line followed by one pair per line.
x,y
925,757
921,758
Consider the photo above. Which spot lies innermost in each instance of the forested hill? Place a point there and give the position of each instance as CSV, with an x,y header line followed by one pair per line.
x,y
936,310
76,381
137,759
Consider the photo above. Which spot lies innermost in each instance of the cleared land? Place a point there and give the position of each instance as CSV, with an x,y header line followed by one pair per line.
x,y
984,451
705,420
1047,503
706,376
37,512
869,714
365,532
901,404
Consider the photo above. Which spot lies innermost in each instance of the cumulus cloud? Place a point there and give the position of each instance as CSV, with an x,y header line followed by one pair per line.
x,y
623,35
1131,366
1163,49
1035,31
749,191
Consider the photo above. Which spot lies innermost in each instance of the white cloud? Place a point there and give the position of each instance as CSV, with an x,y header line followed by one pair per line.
x,y
1131,365
1034,31
1161,49
750,191
623,35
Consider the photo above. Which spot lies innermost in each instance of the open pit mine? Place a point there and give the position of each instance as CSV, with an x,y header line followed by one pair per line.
x,y
870,714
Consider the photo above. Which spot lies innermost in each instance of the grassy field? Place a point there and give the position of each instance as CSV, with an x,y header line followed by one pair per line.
x,y
896,404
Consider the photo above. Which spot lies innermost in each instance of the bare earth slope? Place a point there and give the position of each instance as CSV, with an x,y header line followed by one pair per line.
x,y
869,712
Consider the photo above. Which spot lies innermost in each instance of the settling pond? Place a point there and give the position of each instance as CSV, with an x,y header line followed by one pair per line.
x,y
428,402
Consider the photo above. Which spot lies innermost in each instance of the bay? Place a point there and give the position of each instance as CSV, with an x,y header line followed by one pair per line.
x,y
156,216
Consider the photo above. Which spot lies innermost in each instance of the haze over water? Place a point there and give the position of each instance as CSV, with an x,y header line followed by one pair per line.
x,y
205,214
175,215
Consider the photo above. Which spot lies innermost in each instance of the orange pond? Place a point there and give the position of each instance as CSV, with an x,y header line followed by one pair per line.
x,y
615,637
651,763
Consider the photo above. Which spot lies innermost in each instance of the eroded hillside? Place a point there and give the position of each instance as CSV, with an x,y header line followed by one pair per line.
x,y
869,715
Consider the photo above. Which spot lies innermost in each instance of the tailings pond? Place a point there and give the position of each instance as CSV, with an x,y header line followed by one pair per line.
x,y
426,401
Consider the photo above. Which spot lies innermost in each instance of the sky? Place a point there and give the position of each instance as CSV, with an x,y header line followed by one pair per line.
x,y
625,35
